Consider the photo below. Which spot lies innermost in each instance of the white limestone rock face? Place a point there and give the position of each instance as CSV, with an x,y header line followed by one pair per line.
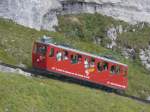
x,y
112,35
132,11
129,53
145,57
38,14
41,14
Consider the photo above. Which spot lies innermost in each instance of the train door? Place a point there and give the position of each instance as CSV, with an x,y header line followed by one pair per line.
x,y
39,56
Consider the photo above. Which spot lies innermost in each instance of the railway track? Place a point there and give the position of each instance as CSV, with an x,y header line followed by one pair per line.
x,y
44,74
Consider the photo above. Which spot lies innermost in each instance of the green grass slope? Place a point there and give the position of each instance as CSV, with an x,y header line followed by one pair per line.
x,y
88,26
16,45
29,94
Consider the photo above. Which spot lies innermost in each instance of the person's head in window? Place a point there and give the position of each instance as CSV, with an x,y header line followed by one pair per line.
x,y
65,55
59,56
92,62
100,66
79,58
86,60
74,59
42,50
112,70
86,63
105,66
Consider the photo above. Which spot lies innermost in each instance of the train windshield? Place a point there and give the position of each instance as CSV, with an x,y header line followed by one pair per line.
x,y
40,49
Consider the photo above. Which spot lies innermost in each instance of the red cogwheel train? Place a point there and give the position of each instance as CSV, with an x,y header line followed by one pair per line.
x,y
56,58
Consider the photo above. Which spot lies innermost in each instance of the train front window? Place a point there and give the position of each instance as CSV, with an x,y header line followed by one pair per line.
x,y
41,50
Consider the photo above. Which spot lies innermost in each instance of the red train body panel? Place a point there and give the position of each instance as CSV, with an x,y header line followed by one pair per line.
x,y
80,65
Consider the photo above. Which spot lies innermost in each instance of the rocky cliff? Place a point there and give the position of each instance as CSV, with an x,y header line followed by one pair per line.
x,y
41,14
131,11
31,13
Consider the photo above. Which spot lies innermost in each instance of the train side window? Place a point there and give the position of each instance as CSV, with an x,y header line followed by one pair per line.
x,y
112,69
105,65
79,58
117,69
51,54
74,59
59,56
92,62
86,63
65,55
100,66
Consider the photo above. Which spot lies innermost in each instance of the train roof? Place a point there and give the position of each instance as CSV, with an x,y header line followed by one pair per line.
x,y
84,53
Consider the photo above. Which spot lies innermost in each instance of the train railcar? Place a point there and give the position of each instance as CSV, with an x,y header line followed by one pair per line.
x,y
48,56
